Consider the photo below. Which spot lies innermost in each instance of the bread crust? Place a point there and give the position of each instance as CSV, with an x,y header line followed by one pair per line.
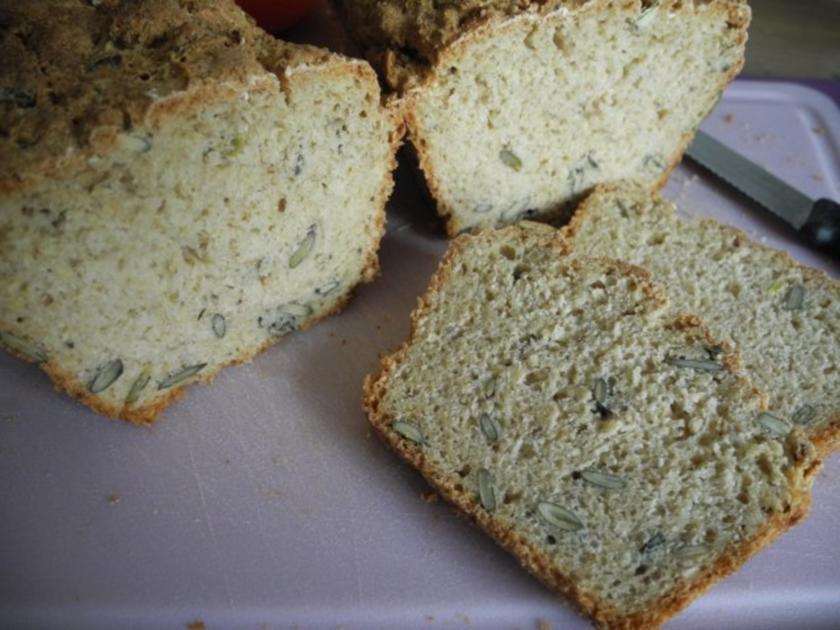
x,y
63,156
827,439
431,33
528,555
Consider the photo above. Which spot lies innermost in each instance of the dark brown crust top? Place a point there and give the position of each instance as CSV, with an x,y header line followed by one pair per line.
x,y
528,554
75,72
827,439
403,37
419,28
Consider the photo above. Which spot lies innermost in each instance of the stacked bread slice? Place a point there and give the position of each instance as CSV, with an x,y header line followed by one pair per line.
x,y
617,449
782,317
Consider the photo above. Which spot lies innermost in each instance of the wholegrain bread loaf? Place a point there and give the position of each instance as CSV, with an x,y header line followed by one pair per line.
x,y
178,191
783,318
515,108
618,452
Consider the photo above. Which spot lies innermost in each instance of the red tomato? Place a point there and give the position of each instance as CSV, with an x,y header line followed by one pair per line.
x,y
276,15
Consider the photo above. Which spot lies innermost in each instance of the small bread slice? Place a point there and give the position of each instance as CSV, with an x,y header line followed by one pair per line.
x,y
783,318
617,452
517,108
179,191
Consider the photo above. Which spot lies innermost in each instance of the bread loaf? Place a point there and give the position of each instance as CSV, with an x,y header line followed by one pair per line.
x,y
179,190
784,318
516,108
617,451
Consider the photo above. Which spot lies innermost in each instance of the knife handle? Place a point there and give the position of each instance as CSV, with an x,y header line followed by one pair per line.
x,y
822,229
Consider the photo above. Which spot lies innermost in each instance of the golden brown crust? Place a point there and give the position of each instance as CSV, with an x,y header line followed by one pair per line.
x,y
827,439
529,556
74,74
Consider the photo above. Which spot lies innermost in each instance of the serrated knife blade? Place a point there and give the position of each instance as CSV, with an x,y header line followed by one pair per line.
x,y
818,221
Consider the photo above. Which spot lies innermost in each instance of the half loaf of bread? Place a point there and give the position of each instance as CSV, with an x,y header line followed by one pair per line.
x,y
516,108
179,190
615,450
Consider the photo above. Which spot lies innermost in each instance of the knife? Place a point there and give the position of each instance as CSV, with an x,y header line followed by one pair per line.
x,y
818,221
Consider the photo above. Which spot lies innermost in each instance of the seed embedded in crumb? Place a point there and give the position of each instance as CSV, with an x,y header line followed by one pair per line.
x,y
804,415
328,288
485,490
28,350
510,159
604,480
219,325
794,298
559,517
303,250
409,431
691,552
700,365
654,542
489,427
181,375
106,376
139,385
490,387
599,390
774,424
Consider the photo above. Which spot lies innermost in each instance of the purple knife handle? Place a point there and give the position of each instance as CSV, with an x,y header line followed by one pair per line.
x,y
822,229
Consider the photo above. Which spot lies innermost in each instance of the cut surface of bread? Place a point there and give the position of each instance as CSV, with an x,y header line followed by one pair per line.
x,y
783,318
615,450
516,109
201,191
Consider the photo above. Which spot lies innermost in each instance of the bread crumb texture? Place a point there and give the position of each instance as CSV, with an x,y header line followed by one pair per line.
x,y
179,191
516,109
783,318
617,451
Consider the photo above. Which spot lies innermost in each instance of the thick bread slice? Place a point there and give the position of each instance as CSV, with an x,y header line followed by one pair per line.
x,y
784,318
179,190
617,452
518,108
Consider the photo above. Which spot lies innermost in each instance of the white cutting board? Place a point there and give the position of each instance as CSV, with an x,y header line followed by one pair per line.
x,y
262,501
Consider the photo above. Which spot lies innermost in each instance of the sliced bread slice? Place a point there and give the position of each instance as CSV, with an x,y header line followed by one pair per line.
x,y
783,318
616,451
179,191
516,108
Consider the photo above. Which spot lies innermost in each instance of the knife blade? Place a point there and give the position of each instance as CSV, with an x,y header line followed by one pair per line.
x,y
818,221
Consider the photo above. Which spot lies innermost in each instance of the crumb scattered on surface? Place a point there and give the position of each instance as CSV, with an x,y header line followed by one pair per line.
x,y
113,499
429,496
542,624
195,625
818,178
727,118
429,618
820,131
271,492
